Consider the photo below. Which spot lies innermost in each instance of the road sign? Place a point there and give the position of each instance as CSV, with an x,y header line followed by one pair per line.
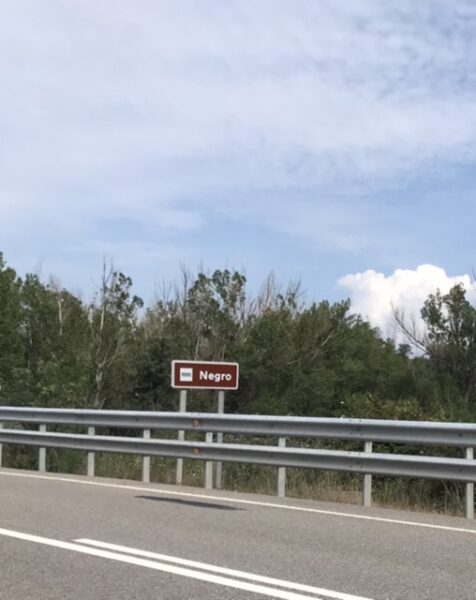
x,y
191,374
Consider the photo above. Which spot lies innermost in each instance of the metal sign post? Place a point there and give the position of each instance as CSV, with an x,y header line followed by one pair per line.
x,y
221,410
181,436
204,375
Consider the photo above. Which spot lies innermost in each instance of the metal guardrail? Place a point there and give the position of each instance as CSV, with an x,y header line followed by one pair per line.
x,y
400,432
367,431
333,460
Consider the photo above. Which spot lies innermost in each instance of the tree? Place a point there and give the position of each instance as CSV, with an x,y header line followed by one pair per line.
x,y
112,323
55,342
12,373
449,345
451,341
215,307
203,319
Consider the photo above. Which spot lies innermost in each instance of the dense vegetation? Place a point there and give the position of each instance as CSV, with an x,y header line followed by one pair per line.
x,y
296,358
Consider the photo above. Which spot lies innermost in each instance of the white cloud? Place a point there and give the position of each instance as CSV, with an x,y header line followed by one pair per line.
x,y
375,295
290,91
170,115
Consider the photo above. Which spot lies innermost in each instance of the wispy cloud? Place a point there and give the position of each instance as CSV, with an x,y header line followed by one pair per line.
x,y
280,112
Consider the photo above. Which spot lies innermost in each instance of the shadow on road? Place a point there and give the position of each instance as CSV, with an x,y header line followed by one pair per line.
x,y
190,503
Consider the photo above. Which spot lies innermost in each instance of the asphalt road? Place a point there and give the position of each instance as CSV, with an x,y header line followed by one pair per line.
x,y
67,537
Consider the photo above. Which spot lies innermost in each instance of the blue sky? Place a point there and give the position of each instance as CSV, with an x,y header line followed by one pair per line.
x,y
314,138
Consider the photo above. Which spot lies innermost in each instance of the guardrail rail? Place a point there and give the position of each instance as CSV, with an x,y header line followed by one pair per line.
x,y
365,431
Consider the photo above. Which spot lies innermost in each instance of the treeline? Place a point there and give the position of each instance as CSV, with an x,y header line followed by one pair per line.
x,y
296,357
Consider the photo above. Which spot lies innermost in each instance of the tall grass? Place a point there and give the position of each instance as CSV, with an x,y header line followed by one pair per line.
x,y
397,493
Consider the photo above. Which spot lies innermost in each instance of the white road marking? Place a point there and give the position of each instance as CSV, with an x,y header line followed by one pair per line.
x,y
319,511
300,587
166,568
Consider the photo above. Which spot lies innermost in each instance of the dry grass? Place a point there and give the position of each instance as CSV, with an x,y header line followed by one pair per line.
x,y
397,493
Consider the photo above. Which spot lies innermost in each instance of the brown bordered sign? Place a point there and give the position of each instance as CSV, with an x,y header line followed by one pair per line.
x,y
202,375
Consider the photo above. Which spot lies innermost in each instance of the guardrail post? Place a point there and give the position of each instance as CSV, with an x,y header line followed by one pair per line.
x,y
42,454
282,472
1,448
219,467
367,493
146,460
91,456
181,437
469,496
209,466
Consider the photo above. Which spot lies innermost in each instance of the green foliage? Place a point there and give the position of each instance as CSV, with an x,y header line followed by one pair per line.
x,y
298,359
295,358
54,332
13,373
214,306
112,327
451,345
